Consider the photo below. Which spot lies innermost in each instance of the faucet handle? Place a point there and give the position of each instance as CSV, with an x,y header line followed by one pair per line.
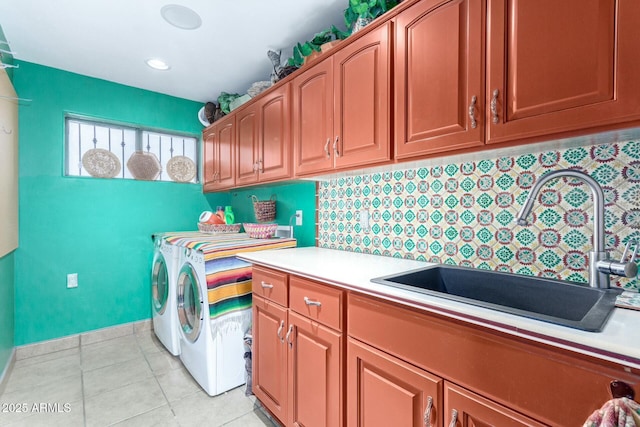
x,y
624,267
627,247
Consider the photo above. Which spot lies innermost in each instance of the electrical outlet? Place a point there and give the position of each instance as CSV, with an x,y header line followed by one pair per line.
x,y
364,220
72,280
298,217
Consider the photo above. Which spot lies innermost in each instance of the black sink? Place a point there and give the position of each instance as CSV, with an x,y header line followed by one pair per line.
x,y
563,303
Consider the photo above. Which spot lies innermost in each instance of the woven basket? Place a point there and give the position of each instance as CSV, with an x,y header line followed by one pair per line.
x,y
265,211
260,231
219,228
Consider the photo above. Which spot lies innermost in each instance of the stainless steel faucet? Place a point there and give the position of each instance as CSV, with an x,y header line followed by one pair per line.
x,y
600,267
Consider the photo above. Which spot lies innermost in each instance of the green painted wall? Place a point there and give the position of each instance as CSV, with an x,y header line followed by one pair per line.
x,y
289,198
6,308
101,228
98,228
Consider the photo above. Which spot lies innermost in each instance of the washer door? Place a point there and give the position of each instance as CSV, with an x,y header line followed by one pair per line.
x,y
189,303
159,284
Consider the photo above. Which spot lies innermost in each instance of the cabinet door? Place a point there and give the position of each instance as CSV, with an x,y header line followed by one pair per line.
x,y
219,155
362,91
385,391
247,142
439,78
274,160
209,164
558,66
471,410
313,119
270,356
315,374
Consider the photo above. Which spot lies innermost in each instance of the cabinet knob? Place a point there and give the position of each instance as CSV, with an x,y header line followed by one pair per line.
x,y
427,412
280,337
472,112
312,302
326,148
335,147
494,107
454,418
266,285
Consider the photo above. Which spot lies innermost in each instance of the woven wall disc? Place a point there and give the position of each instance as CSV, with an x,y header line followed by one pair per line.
x,y
181,169
101,163
144,166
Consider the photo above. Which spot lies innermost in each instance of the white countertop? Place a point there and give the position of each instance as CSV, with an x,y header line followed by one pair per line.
x,y
619,341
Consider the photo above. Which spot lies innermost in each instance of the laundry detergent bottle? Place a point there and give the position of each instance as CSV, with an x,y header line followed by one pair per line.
x,y
229,218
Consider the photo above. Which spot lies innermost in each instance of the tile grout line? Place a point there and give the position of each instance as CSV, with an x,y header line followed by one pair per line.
x,y
84,403
155,377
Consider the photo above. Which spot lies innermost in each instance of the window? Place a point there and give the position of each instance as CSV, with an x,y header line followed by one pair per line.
x,y
107,150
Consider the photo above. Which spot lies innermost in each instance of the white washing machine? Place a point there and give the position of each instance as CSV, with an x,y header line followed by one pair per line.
x,y
164,274
212,339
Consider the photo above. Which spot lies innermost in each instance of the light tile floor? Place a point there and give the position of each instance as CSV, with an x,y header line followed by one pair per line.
x,y
125,381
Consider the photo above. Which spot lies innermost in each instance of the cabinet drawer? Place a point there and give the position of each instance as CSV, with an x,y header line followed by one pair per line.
x,y
270,284
317,302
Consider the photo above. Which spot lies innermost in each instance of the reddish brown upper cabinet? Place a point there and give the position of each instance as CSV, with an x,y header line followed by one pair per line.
x,y
341,107
558,66
439,77
263,146
219,170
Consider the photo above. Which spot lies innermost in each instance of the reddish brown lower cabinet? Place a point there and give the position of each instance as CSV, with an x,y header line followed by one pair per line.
x,y
315,372
298,356
270,356
489,378
334,358
383,390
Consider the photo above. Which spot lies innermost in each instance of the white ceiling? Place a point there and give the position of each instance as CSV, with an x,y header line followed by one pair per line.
x,y
111,39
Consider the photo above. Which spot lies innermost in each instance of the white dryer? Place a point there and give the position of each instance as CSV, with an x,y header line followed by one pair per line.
x,y
212,345
164,273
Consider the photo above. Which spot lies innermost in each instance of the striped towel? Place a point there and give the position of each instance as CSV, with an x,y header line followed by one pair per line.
x,y
228,278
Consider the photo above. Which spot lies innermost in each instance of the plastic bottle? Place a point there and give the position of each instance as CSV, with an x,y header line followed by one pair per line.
x,y
220,213
229,218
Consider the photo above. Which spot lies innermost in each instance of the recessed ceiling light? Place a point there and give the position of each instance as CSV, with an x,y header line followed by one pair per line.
x,y
157,64
181,17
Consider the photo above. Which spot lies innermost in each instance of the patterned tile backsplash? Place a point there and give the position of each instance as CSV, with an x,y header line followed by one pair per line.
x,y
463,213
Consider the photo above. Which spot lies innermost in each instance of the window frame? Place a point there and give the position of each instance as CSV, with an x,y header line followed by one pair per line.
x,y
140,144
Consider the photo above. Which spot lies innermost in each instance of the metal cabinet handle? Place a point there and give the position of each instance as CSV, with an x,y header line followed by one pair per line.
x,y
472,112
335,146
289,335
326,148
454,418
266,285
427,412
494,107
312,302
280,337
